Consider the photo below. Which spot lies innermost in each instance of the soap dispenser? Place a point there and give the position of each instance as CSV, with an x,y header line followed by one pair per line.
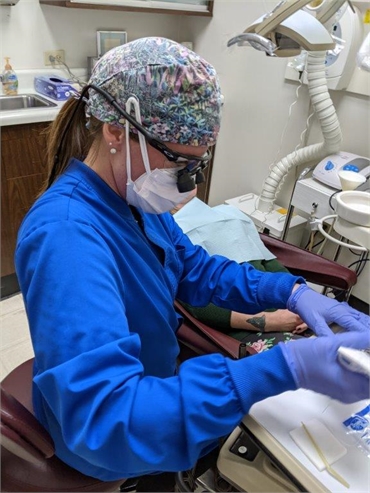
x,y
9,80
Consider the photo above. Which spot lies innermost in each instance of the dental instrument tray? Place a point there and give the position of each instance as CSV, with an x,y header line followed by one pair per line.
x,y
54,87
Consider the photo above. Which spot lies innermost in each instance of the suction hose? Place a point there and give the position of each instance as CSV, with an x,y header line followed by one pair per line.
x,y
330,128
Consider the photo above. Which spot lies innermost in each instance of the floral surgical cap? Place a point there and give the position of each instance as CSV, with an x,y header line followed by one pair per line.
x,y
178,91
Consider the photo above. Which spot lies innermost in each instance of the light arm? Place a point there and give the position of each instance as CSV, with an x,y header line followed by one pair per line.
x,y
287,29
285,9
330,8
270,22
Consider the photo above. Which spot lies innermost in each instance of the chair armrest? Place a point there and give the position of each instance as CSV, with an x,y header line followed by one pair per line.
x,y
312,267
21,433
203,339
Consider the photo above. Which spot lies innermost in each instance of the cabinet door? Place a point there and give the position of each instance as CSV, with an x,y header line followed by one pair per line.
x,y
187,7
23,170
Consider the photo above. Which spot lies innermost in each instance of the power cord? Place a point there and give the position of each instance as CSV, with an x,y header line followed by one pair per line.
x,y
331,199
300,144
361,264
55,61
282,138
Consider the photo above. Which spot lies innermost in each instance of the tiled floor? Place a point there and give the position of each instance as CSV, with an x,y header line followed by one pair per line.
x,y
15,338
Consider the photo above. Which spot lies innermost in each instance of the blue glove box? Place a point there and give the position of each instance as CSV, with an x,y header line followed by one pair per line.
x,y
54,87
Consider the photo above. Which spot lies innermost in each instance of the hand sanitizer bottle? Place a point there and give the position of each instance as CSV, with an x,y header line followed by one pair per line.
x,y
9,80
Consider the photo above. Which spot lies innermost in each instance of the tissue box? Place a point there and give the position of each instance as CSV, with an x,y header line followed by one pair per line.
x,y
54,87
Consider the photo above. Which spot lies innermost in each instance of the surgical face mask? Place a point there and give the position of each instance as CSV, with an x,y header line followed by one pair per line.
x,y
156,190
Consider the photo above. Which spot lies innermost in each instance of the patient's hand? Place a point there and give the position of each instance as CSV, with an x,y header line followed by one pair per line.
x,y
277,321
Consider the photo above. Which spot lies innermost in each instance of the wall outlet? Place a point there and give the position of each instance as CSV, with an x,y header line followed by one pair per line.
x,y
54,57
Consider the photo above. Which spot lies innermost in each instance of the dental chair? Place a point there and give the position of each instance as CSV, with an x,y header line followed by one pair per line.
x,y
197,338
28,461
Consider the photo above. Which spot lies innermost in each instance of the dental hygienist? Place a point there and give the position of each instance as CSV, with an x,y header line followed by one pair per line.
x,y
100,263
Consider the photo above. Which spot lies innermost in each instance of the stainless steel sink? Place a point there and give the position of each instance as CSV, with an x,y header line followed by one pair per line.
x,y
23,101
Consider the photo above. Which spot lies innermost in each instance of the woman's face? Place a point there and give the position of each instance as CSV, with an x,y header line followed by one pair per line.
x,y
158,161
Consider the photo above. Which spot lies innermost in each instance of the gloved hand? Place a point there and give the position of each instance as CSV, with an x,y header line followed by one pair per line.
x,y
318,311
315,366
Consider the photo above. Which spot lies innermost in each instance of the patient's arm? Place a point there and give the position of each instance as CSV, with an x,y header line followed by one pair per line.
x,y
277,321
227,320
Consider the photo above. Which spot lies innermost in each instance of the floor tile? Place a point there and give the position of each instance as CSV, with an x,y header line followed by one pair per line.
x,y
16,344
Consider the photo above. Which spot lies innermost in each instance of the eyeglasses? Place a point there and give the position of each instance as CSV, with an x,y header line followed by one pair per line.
x,y
188,177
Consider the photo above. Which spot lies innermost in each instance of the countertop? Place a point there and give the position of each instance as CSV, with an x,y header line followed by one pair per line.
x,y
25,86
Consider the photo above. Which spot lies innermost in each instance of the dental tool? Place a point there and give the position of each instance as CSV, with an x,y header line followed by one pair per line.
x,y
355,360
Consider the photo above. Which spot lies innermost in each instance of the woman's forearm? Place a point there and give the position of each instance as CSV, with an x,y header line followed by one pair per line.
x,y
277,321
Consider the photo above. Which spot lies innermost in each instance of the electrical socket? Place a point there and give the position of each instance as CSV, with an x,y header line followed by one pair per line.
x,y
54,57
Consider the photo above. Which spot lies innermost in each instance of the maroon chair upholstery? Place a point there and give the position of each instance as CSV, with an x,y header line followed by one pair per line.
x,y
197,338
28,462
314,268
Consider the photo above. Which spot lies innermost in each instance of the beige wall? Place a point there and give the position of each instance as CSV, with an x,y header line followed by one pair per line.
x,y
28,29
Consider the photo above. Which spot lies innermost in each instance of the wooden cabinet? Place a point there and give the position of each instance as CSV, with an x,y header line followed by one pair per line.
x,y
23,170
183,7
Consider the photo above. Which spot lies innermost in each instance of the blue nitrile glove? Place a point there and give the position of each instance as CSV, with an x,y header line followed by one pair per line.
x,y
315,366
317,311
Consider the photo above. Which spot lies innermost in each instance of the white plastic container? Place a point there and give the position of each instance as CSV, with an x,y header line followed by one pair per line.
x,y
354,207
273,221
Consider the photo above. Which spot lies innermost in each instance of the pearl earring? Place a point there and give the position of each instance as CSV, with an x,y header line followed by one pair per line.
x,y
113,150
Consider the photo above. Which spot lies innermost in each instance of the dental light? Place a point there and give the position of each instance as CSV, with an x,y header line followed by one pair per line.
x,y
284,32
